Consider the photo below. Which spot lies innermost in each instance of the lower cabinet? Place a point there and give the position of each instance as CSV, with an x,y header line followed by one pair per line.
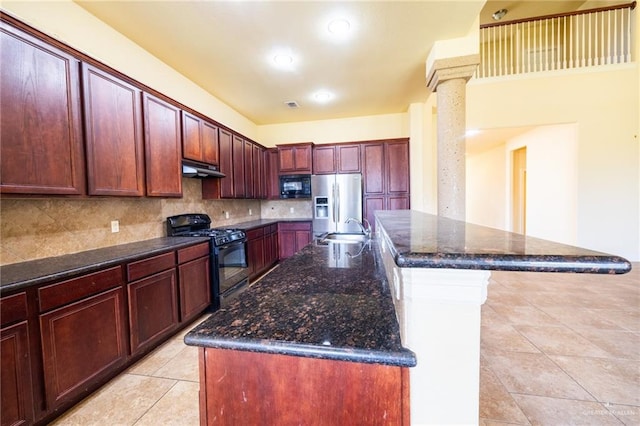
x,y
16,386
292,237
194,281
82,343
262,249
61,341
153,300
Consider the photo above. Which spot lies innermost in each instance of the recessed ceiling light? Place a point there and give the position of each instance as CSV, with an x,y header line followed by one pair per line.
x,y
339,27
323,96
282,60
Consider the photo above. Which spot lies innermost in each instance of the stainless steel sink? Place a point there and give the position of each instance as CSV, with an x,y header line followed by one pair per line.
x,y
345,238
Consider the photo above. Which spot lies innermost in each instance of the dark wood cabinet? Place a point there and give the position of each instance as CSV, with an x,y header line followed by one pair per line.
x,y
295,158
40,117
199,139
162,148
239,188
385,171
153,300
226,166
271,246
194,281
249,172
255,251
259,178
292,237
338,158
283,389
114,140
83,332
271,174
324,159
16,386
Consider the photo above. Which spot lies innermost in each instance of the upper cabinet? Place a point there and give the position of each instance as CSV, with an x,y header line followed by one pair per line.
x,y
40,127
295,158
114,141
340,158
200,139
162,148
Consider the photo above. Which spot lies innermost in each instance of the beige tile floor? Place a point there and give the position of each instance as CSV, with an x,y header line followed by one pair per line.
x,y
557,349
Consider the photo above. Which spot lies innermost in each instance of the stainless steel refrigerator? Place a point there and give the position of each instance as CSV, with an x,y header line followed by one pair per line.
x,y
336,198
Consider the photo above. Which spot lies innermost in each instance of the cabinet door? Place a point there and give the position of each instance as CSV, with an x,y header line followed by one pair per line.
x,y
398,203
226,164
373,168
195,289
114,142
302,159
259,189
273,180
15,374
256,256
324,160
286,160
292,237
238,167
209,140
397,167
40,118
82,343
191,146
153,309
248,170
270,249
371,204
348,158
162,148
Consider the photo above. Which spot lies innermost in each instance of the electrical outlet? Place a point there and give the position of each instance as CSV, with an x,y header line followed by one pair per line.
x,y
115,226
226,215
250,212
291,209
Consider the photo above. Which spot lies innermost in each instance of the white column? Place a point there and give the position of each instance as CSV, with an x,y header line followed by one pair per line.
x,y
439,315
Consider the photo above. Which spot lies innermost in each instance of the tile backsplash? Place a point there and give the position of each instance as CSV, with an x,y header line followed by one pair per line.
x,y
37,228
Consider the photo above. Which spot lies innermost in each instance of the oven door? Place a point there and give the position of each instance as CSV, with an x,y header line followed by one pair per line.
x,y
233,269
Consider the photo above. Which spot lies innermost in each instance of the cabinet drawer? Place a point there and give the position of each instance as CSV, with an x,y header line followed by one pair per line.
x,y
193,252
62,293
295,226
150,266
255,233
13,308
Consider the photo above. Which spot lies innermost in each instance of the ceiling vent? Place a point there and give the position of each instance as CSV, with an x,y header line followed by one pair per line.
x,y
292,104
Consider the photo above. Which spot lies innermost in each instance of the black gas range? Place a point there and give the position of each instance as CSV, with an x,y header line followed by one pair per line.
x,y
229,267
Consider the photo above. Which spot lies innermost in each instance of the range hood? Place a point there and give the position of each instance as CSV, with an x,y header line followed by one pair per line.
x,y
193,169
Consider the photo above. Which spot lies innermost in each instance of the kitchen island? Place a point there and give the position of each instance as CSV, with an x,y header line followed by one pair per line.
x,y
315,341
338,306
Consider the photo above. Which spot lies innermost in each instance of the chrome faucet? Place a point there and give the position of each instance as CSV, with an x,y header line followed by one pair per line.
x,y
366,230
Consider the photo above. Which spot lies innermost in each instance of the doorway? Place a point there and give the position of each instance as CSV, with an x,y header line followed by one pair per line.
x,y
519,191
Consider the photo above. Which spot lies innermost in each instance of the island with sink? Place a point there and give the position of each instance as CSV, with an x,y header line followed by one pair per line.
x,y
342,330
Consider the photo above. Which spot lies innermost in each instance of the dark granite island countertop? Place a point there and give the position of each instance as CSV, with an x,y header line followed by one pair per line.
x,y
327,301
421,240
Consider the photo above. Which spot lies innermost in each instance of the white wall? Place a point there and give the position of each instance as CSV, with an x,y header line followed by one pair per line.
x,y
603,102
551,181
364,128
486,180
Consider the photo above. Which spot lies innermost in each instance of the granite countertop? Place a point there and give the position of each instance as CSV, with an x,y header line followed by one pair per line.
x,y
327,301
421,240
24,274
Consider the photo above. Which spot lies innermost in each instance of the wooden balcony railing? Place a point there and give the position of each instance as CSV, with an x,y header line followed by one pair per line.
x,y
572,40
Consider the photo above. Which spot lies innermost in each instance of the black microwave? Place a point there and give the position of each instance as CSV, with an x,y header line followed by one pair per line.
x,y
295,186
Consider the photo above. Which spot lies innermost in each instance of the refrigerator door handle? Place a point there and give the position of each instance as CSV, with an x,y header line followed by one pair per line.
x,y
333,202
337,203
